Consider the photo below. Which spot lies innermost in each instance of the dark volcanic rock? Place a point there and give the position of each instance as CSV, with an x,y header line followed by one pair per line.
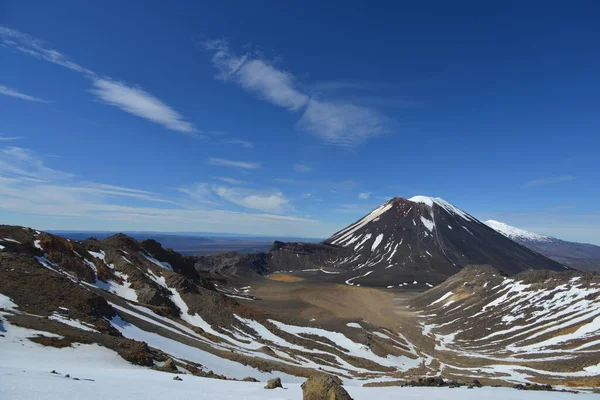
x,y
233,264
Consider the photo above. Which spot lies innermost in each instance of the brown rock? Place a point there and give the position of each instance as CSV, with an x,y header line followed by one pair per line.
x,y
274,383
250,379
170,365
320,387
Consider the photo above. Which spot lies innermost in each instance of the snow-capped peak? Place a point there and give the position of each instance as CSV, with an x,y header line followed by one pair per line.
x,y
515,233
429,201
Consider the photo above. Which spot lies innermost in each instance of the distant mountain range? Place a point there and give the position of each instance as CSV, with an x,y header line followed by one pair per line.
x,y
190,243
582,256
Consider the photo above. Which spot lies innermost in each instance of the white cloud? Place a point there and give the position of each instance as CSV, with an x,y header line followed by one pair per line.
x,y
7,138
274,86
270,201
339,123
257,76
16,94
202,193
34,47
244,143
302,168
364,195
342,124
231,181
138,102
126,97
35,194
24,164
118,191
262,200
221,162
548,181
306,195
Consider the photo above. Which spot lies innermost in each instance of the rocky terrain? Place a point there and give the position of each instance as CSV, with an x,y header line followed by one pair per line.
x,y
540,325
166,312
582,256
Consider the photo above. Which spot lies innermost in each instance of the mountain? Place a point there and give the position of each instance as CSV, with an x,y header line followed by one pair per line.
x,y
416,242
95,311
582,256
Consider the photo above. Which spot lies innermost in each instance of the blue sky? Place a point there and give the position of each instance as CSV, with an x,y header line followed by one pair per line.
x,y
297,119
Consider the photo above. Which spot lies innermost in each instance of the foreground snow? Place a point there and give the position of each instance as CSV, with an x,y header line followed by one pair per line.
x,y
99,373
133,384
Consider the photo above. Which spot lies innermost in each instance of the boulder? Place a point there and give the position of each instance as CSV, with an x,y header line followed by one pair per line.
x,y
324,387
250,379
274,383
177,378
170,365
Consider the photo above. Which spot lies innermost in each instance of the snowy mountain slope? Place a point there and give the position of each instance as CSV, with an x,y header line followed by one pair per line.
x,y
194,320
96,373
418,243
582,256
513,326
515,233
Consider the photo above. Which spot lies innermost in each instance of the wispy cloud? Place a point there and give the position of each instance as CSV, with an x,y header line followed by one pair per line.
x,y
7,138
342,124
126,97
549,181
257,76
138,102
271,201
231,181
302,168
222,162
364,195
16,94
17,162
29,186
244,143
34,47
268,201
338,123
